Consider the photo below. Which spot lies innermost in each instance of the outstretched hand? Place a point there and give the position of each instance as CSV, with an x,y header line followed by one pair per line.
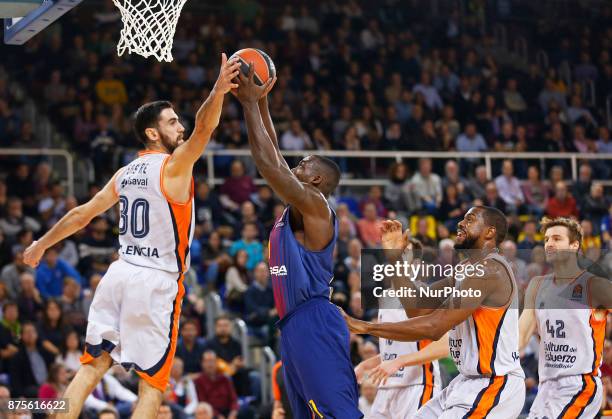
x,y
248,91
392,236
228,72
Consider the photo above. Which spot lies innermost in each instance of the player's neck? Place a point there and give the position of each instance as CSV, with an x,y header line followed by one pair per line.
x,y
565,271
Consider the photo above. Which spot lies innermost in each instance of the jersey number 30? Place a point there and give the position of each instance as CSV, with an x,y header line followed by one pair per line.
x,y
137,217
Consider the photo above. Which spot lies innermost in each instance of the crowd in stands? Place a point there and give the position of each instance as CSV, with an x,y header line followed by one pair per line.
x,y
349,78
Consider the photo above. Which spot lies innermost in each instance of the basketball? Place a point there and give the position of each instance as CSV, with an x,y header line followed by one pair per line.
x,y
264,67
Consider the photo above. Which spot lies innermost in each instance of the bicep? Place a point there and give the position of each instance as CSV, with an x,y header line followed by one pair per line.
x,y
102,201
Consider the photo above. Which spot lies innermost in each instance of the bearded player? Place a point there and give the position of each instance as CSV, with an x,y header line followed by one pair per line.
x,y
567,309
314,338
482,326
135,312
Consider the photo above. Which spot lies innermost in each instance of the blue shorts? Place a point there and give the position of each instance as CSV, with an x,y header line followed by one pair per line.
x,y
315,352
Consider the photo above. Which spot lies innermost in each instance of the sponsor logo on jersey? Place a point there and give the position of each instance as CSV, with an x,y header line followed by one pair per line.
x,y
278,270
141,182
577,292
279,224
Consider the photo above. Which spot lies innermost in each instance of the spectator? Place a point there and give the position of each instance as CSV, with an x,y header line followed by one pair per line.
x,y
427,187
230,359
182,392
452,207
429,92
97,246
110,394
164,411
367,396
423,234
519,267
259,302
582,186
15,221
452,177
216,389
536,192
469,141
492,198
56,383
369,226
513,99
375,195
72,305
208,209
203,411
398,175
51,329
237,281
10,274
595,206
509,187
29,300
10,326
477,185
562,204
70,353
51,272
190,348
527,239
581,143
110,90
589,240
550,94
296,138
237,188
29,367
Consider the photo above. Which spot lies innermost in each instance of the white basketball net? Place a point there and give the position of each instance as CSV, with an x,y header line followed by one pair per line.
x,y
148,27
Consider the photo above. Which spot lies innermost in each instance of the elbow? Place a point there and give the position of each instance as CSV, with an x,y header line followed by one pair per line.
x,y
435,331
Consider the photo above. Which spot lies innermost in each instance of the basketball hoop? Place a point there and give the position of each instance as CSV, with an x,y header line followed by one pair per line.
x,y
148,27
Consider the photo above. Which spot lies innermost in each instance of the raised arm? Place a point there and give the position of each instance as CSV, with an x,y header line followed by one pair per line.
x,y
394,242
270,163
206,121
75,220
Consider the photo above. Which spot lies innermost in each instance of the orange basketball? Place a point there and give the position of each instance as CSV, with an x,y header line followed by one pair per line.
x,y
264,67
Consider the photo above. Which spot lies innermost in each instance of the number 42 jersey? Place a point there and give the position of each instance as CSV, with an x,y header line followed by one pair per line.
x,y
154,231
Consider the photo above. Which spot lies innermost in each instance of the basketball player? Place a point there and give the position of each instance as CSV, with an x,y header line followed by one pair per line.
x,y
571,330
482,326
402,388
134,315
318,373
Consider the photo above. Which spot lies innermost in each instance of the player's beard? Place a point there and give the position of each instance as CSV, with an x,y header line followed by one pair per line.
x,y
467,243
169,144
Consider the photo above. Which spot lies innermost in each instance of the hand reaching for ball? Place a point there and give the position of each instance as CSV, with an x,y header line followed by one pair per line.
x,y
228,72
248,92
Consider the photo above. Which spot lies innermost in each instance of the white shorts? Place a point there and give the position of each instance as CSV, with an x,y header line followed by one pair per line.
x,y
134,317
401,402
568,397
499,397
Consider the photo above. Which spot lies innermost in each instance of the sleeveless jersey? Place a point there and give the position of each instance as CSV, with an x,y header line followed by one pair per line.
x,y
427,374
571,337
486,343
298,274
154,231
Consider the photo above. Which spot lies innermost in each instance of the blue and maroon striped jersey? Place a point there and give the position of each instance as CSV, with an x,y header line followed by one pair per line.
x,y
298,274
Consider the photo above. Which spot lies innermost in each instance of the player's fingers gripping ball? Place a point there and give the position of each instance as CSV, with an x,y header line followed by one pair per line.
x,y
262,63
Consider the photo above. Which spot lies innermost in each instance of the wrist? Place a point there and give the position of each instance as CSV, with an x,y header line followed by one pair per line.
x,y
249,105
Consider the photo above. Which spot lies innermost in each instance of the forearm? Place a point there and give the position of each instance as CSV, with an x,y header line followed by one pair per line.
x,y
265,154
432,352
206,120
370,363
69,224
267,120
409,330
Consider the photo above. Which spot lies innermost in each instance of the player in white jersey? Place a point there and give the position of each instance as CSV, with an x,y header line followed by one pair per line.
x,y
568,310
407,377
133,319
482,322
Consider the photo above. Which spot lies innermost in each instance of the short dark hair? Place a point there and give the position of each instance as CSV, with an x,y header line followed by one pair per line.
x,y
147,116
331,174
495,218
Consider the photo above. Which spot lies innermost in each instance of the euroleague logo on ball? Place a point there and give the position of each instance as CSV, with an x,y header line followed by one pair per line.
x,y
264,66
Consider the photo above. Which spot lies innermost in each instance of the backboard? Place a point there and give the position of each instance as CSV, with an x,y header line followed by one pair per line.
x,y
19,30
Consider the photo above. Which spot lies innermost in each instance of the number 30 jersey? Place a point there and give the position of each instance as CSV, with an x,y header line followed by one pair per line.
x,y
154,231
571,334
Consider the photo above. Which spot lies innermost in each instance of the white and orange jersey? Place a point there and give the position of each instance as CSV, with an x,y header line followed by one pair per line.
x,y
426,374
154,231
486,343
571,334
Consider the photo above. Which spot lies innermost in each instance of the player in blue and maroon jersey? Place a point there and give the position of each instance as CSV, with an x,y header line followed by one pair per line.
x,y
314,338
